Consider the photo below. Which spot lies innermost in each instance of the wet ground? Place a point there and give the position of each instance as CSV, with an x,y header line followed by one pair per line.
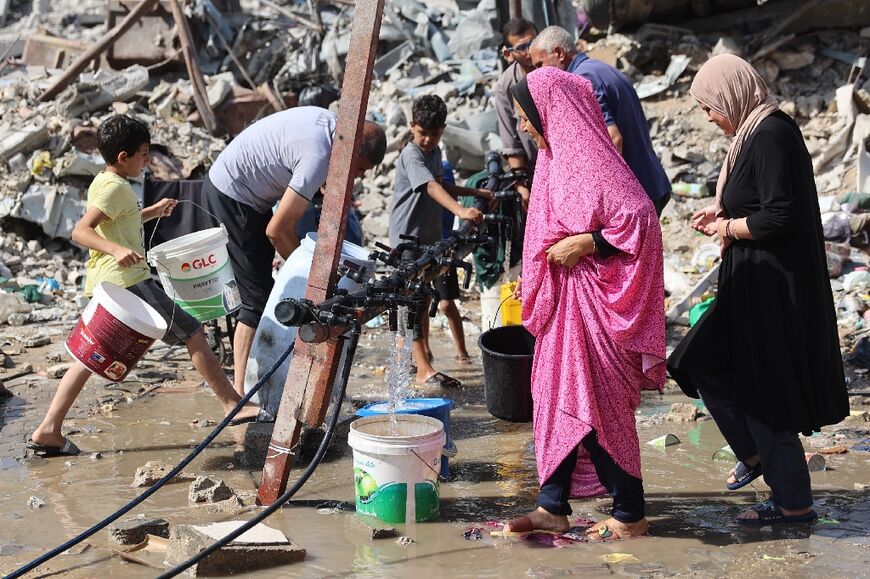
x,y
492,479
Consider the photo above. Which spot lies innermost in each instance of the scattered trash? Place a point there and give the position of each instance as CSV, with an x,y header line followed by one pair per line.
x,y
620,558
405,541
35,503
473,534
815,462
725,454
823,521
664,440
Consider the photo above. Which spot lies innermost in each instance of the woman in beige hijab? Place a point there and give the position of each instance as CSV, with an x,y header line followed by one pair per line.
x,y
765,357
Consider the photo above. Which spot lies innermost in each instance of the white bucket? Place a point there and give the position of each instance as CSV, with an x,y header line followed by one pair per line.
x,y
195,271
396,467
272,338
115,330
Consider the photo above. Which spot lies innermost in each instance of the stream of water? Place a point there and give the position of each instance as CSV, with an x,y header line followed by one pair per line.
x,y
398,375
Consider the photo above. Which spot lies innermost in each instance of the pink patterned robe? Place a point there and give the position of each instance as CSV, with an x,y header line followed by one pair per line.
x,y
600,325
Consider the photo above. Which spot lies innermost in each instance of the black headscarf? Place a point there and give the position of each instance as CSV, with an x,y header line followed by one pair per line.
x,y
520,91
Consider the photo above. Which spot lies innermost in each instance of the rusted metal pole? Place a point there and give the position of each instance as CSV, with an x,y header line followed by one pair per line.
x,y
312,371
89,55
200,91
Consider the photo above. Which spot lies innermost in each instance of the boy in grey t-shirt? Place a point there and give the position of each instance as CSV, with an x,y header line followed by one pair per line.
x,y
416,206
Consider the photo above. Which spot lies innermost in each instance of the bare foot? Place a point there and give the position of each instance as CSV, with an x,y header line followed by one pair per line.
x,y
612,530
47,438
538,520
752,514
247,411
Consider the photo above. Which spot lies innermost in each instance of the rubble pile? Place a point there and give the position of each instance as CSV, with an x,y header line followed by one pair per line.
x,y
258,56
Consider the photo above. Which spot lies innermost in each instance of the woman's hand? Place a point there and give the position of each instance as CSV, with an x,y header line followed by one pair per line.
x,y
568,251
518,289
704,220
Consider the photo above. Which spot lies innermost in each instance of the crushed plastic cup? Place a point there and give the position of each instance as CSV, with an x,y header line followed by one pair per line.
x,y
725,454
664,440
815,461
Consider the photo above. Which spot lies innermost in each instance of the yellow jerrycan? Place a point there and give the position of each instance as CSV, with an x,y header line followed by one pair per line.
x,y
511,309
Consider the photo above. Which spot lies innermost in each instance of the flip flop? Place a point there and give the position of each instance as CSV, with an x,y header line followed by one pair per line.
x,y
463,360
744,475
770,514
443,380
44,451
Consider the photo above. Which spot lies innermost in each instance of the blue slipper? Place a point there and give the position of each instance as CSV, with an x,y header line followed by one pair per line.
x,y
770,514
744,475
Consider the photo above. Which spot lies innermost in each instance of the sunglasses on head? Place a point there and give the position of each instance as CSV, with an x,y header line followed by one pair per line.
x,y
520,47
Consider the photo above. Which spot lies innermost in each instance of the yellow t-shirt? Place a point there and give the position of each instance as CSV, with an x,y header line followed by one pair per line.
x,y
112,194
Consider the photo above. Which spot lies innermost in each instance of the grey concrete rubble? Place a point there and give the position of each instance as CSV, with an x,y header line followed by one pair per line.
x,y
205,489
152,471
369,527
132,531
259,548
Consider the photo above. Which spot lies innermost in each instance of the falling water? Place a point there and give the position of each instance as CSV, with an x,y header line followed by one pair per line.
x,y
399,372
506,276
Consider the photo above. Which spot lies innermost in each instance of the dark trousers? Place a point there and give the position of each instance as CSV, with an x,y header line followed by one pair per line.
x,y
626,490
781,453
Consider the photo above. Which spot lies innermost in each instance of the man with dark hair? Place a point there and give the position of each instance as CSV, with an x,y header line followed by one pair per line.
x,y
517,147
623,113
281,158
418,197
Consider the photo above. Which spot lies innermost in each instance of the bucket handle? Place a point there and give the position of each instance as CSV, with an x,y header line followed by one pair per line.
x,y
437,474
495,316
153,231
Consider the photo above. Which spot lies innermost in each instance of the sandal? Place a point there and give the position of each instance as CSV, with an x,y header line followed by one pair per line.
x,y
443,380
770,514
743,475
44,451
463,360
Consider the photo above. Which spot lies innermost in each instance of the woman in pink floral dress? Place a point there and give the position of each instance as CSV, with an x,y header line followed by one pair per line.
x,y
592,292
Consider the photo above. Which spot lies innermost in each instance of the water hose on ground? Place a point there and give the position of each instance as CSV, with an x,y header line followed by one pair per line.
x,y
303,478
135,502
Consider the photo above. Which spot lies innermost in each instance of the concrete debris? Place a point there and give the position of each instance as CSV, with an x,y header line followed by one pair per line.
x,y
152,471
133,531
684,412
259,548
58,370
35,503
205,489
370,527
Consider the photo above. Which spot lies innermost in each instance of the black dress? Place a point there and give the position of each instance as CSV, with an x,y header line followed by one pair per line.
x,y
769,342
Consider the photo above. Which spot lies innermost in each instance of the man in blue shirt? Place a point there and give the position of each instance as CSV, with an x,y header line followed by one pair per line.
x,y
623,113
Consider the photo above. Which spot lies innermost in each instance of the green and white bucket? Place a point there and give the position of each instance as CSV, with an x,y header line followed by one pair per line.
x,y
396,466
196,273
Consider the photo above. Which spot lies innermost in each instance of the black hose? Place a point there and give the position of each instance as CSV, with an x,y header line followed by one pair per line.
x,y
303,478
135,502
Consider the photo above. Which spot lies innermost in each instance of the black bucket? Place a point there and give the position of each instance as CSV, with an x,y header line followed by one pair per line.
x,y
507,372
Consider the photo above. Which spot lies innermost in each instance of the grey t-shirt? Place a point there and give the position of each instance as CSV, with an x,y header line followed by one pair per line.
x,y
286,149
412,210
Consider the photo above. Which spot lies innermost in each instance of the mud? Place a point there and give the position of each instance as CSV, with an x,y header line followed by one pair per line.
x,y
492,479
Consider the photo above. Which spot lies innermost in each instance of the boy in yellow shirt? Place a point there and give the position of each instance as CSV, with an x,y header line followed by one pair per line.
x,y
112,229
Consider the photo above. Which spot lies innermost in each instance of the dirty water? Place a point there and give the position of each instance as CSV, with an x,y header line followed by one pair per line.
x,y
492,479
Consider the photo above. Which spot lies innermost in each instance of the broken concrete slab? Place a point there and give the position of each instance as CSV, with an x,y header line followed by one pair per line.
x,y
152,471
22,139
133,531
259,548
370,527
58,370
205,489
101,89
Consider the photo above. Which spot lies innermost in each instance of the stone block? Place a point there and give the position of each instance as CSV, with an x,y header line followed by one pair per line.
x,y
260,548
22,139
152,471
683,412
209,490
133,531
58,370
370,527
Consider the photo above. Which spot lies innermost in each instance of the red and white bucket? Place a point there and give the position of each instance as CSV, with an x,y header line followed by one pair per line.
x,y
114,332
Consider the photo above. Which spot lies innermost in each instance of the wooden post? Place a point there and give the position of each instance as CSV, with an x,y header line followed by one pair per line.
x,y
200,92
312,371
105,42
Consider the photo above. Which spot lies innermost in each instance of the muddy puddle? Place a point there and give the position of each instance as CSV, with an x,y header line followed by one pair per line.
x,y
492,478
